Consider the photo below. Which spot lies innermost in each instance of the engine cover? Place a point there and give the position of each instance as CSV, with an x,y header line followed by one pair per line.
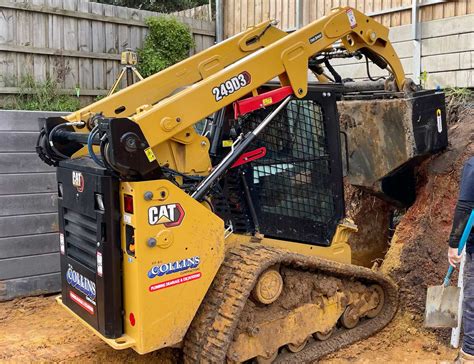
x,y
90,244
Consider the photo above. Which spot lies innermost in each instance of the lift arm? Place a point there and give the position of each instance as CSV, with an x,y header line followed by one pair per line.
x,y
125,102
148,119
286,58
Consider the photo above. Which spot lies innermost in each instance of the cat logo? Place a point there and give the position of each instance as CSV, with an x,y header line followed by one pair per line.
x,y
169,215
78,181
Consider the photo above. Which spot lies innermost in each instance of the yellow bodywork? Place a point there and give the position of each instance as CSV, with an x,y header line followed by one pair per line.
x,y
339,250
164,306
158,308
168,104
163,314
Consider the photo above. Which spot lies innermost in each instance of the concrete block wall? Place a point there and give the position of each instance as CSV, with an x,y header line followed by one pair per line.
x,y
29,258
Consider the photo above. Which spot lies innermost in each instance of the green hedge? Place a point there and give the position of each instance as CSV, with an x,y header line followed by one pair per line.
x,y
167,43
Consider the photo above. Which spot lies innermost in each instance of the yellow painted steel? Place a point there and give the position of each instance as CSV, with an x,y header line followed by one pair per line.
x,y
121,343
286,58
164,306
193,69
168,104
339,250
298,325
163,316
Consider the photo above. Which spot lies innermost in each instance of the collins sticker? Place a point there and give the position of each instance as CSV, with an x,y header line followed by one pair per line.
x,y
169,215
175,282
81,283
233,84
174,267
78,181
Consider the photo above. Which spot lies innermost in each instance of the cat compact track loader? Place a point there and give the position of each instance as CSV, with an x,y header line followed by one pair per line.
x,y
203,207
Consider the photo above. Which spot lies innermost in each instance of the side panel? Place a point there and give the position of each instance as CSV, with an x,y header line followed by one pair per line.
x,y
89,245
173,247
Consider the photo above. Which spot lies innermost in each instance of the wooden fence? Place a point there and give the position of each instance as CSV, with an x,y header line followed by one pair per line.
x,y
75,40
239,14
202,12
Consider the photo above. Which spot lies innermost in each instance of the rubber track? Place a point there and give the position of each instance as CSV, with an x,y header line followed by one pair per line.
x,y
213,327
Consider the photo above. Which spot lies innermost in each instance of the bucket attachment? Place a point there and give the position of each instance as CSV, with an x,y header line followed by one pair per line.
x,y
388,137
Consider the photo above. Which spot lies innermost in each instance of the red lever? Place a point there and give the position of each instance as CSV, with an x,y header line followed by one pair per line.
x,y
245,106
250,156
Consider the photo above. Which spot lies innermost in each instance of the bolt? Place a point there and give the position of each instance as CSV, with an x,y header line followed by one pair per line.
x,y
300,91
324,94
203,144
148,195
151,242
329,94
131,143
178,120
98,244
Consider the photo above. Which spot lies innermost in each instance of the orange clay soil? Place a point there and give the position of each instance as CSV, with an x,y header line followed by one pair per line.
x,y
39,330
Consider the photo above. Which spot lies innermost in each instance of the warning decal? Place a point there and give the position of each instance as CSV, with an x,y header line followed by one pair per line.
x,y
439,120
175,282
85,305
351,17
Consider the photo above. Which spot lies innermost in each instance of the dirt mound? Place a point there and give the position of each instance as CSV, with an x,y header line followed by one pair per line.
x,y
372,217
417,256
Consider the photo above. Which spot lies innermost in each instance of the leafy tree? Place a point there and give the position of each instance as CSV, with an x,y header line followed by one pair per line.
x,y
167,43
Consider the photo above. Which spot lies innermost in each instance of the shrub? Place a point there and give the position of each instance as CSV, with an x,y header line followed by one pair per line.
x,y
167,43
42,95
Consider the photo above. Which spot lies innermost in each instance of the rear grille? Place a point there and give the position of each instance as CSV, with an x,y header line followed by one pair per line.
x,y
80,235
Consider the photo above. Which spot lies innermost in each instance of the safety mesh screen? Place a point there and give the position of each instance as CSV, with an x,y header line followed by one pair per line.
x,y
291,186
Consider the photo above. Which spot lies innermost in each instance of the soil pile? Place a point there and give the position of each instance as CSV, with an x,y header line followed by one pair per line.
x,y
372,217
417,257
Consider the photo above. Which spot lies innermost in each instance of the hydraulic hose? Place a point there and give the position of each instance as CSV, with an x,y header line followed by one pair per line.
x,y
90,149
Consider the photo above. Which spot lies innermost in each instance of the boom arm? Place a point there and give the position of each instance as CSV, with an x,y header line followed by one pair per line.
x,y
125,102
159,125
287,58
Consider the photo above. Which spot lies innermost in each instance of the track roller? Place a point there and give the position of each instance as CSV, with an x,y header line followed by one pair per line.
x,y
379,298
323,336
296,348
269,287
349,318
267,360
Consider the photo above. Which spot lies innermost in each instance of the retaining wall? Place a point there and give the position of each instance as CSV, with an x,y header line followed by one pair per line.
x,y
29,258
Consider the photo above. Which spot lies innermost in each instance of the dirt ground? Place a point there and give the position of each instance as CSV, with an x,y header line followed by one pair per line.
x,y
39,330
